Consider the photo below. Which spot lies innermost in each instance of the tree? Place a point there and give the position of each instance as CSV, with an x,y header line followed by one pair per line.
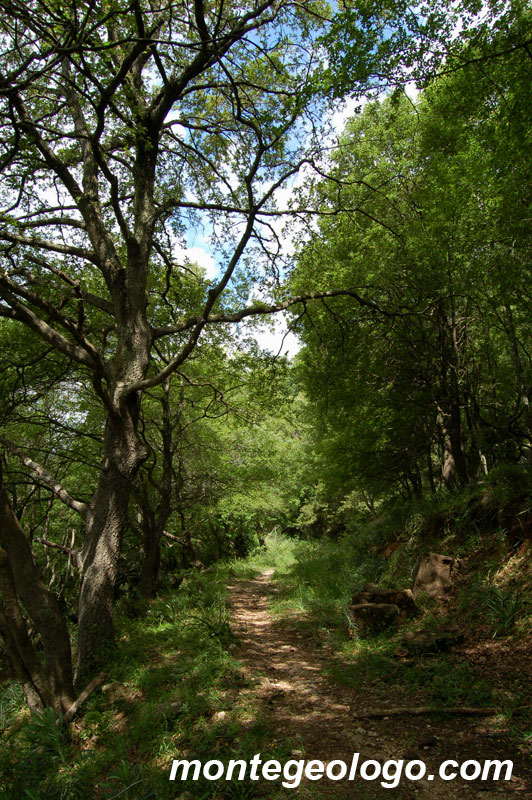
x,y
435,202
121,126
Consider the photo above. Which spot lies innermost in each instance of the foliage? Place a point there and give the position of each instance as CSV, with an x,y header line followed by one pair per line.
x,y
122,133
125,377
11,702
427,220
173,673
46,736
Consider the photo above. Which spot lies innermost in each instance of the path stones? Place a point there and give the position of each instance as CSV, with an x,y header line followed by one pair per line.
x,y
375,609
374,617
433,575
402,598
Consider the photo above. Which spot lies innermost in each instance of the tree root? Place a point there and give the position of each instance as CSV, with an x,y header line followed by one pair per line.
x,y
416,711
78,702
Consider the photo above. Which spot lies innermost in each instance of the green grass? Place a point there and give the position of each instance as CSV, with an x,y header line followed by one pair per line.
x,y
175,673
319,579
183,694
279,552
11,703
180,693
315,577
501,609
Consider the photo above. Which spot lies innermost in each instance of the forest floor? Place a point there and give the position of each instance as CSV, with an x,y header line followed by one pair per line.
x,y
252,656
294,682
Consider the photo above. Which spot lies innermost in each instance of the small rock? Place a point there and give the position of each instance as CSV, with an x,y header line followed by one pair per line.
x,y
167,711
400,652
430,741
114,691
296,753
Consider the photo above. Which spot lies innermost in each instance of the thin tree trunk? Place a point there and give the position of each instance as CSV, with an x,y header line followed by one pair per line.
x,y
156,520
149,572
430,472
522,389
454,467
454,430
22,581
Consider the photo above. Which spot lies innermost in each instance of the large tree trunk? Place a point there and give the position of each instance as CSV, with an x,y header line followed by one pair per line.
x,y
23,660
106,520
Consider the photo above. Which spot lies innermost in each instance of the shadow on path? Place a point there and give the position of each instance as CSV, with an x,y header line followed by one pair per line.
x,y
285,665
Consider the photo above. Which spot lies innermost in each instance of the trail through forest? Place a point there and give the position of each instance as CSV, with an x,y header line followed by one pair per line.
x,y
286,662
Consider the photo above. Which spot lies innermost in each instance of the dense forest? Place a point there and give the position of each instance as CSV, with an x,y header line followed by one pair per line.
x,y
361,172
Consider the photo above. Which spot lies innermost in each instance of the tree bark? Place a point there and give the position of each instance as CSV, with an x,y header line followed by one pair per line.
x,y
23,660
156,520
149,572
454,467
21,581
106,521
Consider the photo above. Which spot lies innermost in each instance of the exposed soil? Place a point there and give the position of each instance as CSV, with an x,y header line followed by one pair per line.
x,y
286,661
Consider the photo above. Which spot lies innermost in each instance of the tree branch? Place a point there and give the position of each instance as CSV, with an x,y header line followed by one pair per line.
x,y
266,308
417,711
45,244
45,331
46,479
76,705
73,554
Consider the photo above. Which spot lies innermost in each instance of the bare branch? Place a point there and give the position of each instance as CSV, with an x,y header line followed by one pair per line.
x,y
263,309
72,554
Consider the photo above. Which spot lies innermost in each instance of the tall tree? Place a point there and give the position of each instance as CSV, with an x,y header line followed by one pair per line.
x,y
121,125
430,213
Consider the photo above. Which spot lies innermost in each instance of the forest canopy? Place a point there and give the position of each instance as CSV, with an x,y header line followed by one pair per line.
x,y
443,247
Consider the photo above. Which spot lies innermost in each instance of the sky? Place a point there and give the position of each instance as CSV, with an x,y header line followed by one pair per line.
x,y
273,336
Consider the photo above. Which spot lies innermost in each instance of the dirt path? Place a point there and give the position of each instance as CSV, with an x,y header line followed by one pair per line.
x,y
285,662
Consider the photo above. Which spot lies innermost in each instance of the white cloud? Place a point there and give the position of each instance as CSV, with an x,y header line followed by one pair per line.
x,y
276,338
412,91
197,255
344,112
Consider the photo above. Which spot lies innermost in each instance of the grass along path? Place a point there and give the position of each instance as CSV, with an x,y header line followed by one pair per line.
x,y
252,657
287,665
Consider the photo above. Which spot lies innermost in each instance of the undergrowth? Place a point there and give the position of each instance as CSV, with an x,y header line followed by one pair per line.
x,y
491,599
176,689
173,692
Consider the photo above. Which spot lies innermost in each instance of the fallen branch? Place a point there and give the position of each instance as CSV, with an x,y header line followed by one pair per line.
x,y
418,711
172,537
78,702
